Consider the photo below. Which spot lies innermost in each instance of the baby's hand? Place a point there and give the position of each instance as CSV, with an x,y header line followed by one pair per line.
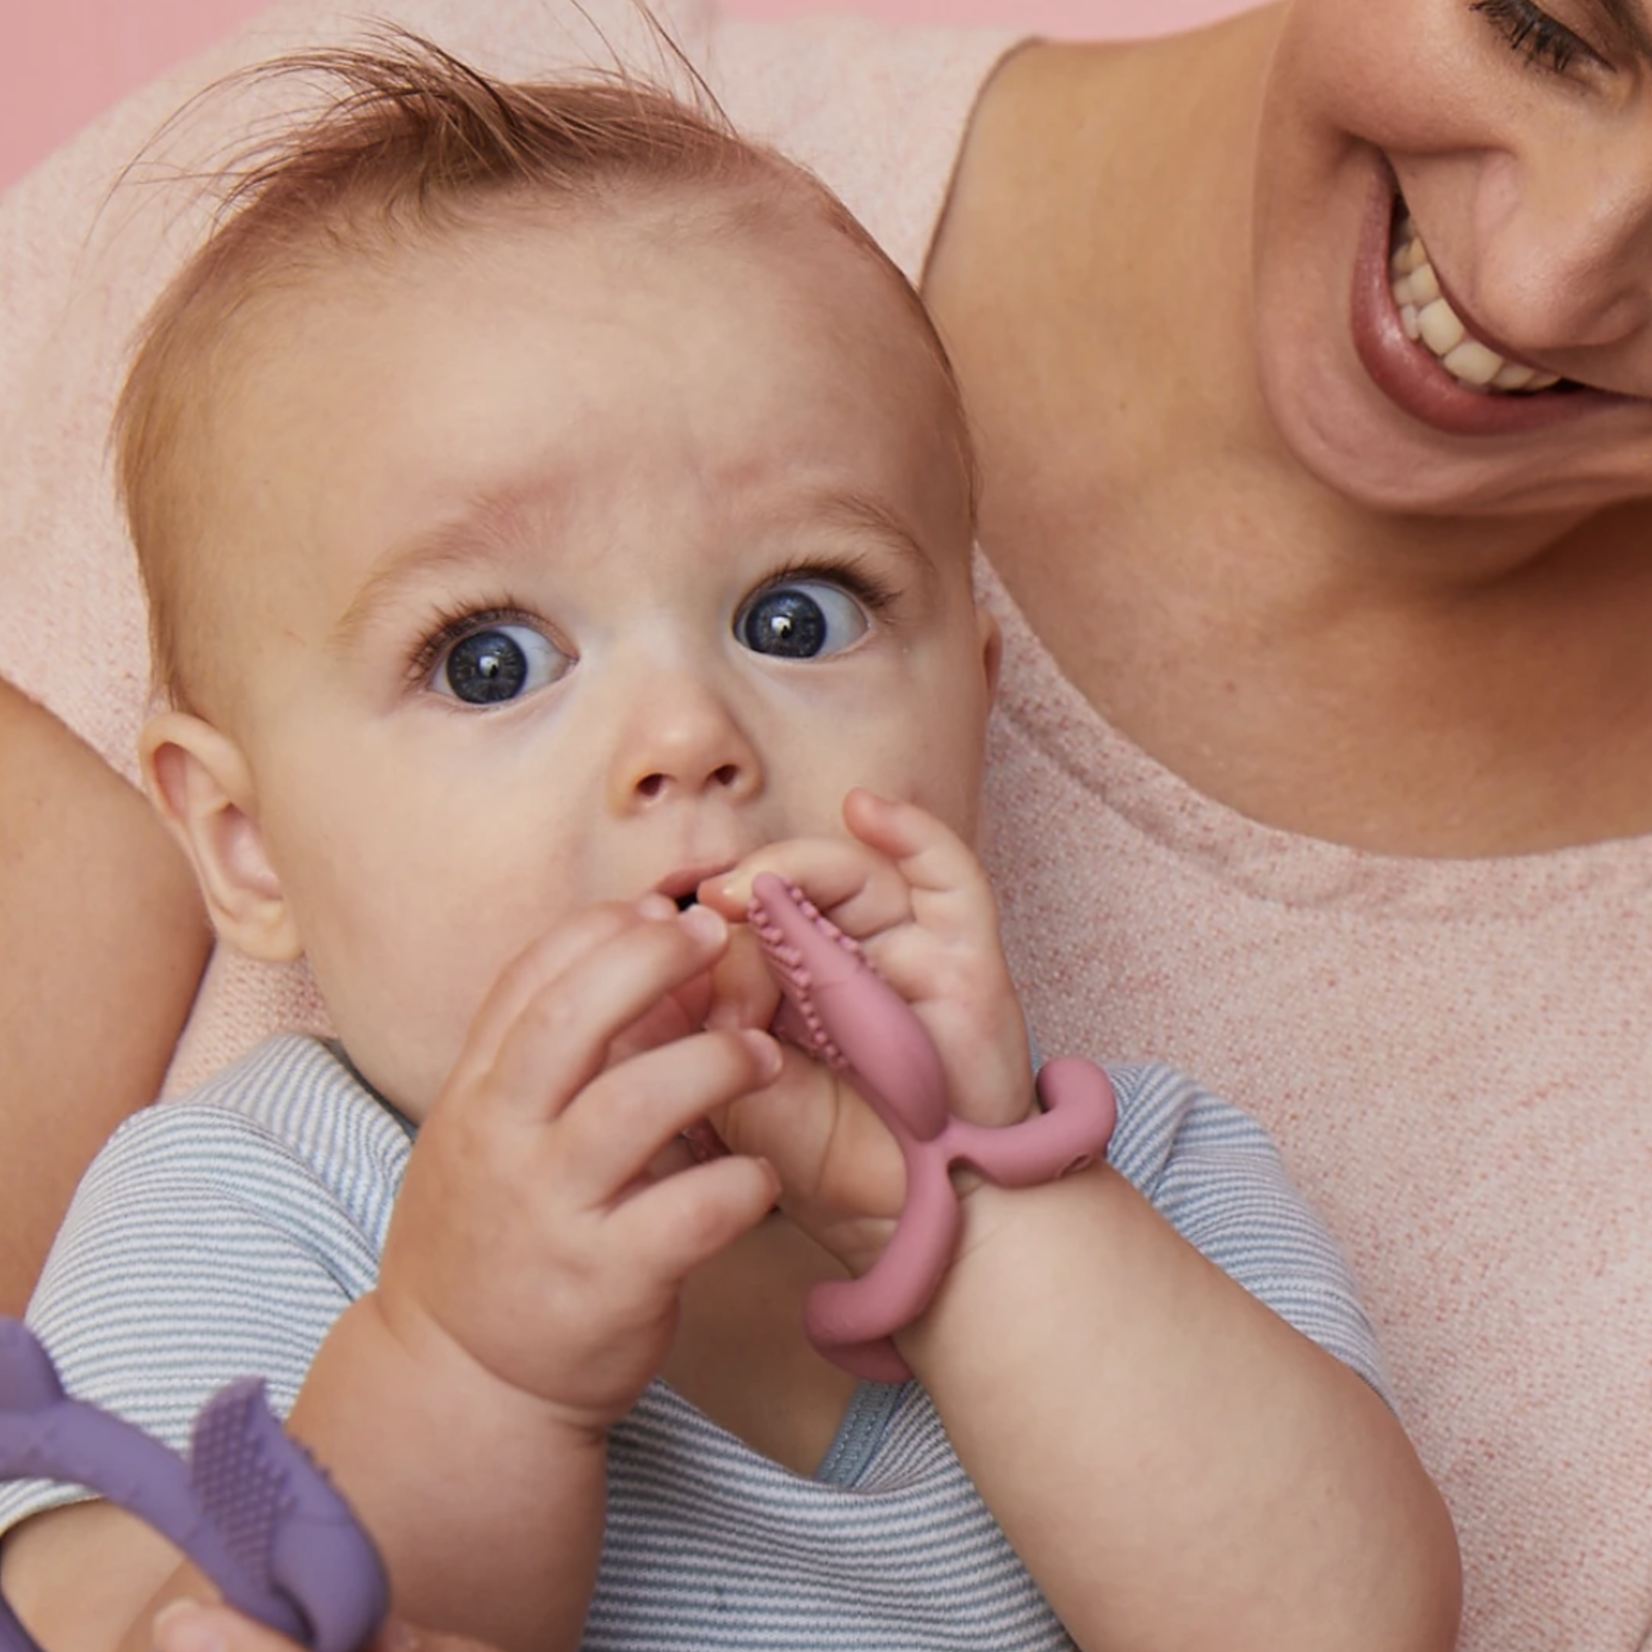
x,y
533,1230
915,897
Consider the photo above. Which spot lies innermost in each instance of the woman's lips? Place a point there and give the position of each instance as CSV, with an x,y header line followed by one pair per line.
x,y
1412,376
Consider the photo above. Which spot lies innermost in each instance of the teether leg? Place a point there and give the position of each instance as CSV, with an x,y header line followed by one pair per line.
x,y
851,1320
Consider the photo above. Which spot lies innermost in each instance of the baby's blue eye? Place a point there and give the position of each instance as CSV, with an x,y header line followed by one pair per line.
x,y
801,620
498,663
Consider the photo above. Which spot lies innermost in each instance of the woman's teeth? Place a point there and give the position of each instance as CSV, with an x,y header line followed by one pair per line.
x,y
1429,320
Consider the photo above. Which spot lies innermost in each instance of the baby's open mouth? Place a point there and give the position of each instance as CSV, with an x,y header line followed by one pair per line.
x,y
1429,320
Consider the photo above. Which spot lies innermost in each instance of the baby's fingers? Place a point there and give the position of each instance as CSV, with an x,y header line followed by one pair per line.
x,y
940,870
862,892
743,992
617,1125
681,1222
196,1626
538,966
559,1037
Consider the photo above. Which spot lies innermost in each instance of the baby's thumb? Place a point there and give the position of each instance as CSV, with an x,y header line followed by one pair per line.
x,y
743,993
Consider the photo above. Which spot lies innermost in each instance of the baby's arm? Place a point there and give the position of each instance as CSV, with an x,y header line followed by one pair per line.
x,y
527,1293
1179,1468
530,1284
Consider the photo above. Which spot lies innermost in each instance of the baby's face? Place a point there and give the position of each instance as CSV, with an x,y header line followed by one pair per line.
x,y
571,561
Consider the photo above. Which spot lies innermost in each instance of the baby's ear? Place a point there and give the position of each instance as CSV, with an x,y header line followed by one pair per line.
x,y
200,782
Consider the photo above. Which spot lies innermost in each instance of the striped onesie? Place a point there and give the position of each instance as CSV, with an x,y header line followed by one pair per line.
x,y
220,1235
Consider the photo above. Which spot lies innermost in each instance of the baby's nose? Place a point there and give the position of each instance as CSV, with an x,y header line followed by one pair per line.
x,y
725,777
688,741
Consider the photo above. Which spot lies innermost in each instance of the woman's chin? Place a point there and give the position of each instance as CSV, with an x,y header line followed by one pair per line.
x,y
1352,440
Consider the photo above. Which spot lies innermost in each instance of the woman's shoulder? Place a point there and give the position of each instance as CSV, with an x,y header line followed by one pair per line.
x,y
878,111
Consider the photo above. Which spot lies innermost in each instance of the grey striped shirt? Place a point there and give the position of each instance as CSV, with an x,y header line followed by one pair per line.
x,y
222,1234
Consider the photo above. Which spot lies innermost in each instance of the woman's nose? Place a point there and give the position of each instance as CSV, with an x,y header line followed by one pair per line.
x,y
1567,265
683,740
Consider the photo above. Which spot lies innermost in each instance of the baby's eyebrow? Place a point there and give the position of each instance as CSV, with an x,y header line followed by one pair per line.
x,y
480,534
863,513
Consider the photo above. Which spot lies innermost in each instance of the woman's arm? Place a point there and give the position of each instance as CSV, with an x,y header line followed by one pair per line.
x,y
104,943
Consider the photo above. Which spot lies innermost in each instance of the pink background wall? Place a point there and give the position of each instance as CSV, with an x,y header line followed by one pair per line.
x,y
62,61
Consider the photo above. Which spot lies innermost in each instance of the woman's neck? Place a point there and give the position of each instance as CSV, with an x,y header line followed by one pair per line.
x,y
1397,683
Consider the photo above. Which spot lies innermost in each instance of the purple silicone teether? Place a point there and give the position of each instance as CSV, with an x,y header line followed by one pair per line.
x,y
838,1008
249,1508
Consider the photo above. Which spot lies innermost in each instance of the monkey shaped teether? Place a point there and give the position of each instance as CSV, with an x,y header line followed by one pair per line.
x,y
838,1009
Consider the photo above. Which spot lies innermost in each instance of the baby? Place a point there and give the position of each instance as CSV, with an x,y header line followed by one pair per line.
x,y
556,511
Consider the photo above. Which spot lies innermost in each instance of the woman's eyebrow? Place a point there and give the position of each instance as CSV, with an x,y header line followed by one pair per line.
x,y
1629,18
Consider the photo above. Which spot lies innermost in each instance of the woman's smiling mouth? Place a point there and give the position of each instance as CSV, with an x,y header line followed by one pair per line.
x,y
1429,319
1427,356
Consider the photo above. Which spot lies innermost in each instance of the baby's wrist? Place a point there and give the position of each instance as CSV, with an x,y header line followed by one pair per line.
x,y
967,1181
1004,1235
438,1358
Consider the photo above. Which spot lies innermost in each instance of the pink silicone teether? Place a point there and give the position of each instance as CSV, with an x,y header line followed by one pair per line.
x,y
838,1008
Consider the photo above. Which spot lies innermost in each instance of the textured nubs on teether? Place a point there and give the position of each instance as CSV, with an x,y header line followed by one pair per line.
x,y
236,1466
791,973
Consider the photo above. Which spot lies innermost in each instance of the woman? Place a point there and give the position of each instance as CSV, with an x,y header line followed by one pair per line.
x,y
1321,765
82,858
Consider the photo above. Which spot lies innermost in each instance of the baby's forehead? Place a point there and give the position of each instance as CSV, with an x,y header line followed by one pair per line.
x,y
642,321
658,291
647,244
614,190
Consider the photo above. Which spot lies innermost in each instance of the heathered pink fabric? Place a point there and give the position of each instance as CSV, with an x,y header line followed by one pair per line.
x,y
1455,1056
